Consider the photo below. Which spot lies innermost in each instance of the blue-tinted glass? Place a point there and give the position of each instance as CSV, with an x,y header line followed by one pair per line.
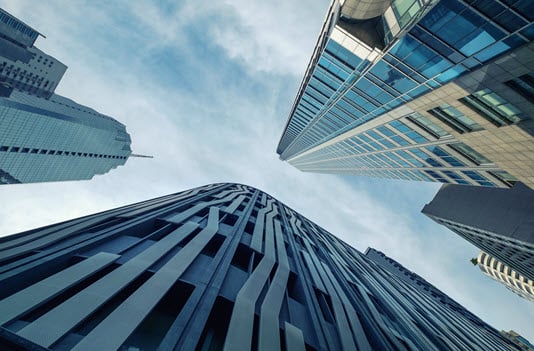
x,y
374,135
433,162
418,91
401,127
404,47
456,177
510,21
418,138
400,140
492,51
386,131
420,57
333,69
525,8
450,74
529,32
474,175
453,161
478,40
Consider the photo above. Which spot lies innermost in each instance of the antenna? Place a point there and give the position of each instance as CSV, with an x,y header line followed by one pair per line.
x,y
145,156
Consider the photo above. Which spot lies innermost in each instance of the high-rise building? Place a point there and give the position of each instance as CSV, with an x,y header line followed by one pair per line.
x,y
417,282
504,274
425,90
523,343
24,67
44,136
224,266
497,221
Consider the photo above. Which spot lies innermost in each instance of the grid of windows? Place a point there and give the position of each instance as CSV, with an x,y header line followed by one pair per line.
x,y
452,39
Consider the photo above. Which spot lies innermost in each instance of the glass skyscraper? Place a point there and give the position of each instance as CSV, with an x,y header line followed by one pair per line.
x,y
44,136
219,267
425,90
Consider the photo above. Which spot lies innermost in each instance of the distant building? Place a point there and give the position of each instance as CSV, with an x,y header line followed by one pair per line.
x,y
523,343
497,221
425,90
502,273
418,282
44,136
23,67
220,267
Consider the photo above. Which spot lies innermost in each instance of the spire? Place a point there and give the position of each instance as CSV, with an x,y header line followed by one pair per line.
x,y
145,156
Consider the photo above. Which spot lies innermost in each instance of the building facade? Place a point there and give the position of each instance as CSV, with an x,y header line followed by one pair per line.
x,y
24,67
518,339
504,274
219,267
420,90
418,282
498,221
44,136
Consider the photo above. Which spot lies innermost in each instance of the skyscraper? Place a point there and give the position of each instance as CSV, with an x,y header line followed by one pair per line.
x,y
224,266
44,136
505,275
497,221
421,90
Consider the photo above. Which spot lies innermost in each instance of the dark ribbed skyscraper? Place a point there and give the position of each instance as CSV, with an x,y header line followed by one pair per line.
x,y
224,266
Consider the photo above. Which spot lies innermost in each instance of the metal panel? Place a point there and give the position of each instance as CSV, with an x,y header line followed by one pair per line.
x,y
269,336
294,338
180,217
239,335
40,292
257,235
111,333
235,204
53,325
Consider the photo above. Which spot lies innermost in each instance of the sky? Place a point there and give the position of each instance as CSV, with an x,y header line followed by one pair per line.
x,y
206,88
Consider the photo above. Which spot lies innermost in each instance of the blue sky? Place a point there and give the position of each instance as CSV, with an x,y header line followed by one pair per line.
x,y
206,87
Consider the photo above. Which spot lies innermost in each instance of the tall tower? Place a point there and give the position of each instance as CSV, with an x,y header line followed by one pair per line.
x,y
219,267
44,136
424,90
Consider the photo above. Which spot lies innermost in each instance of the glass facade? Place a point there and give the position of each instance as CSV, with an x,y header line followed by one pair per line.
x,y
355,81
57,139
44,136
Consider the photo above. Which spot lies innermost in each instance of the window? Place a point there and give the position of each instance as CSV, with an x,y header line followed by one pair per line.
x,y
493,107
427,125
455,119
470,154
504,177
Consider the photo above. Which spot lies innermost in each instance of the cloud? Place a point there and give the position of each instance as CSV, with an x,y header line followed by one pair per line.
x,y
205,87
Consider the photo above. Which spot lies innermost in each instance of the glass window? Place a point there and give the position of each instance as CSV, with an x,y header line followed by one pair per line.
x,y
455,119
456,177
493,107
504,177
478,178
427,125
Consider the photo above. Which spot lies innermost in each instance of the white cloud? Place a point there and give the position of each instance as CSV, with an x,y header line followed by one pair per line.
x,y
226,132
